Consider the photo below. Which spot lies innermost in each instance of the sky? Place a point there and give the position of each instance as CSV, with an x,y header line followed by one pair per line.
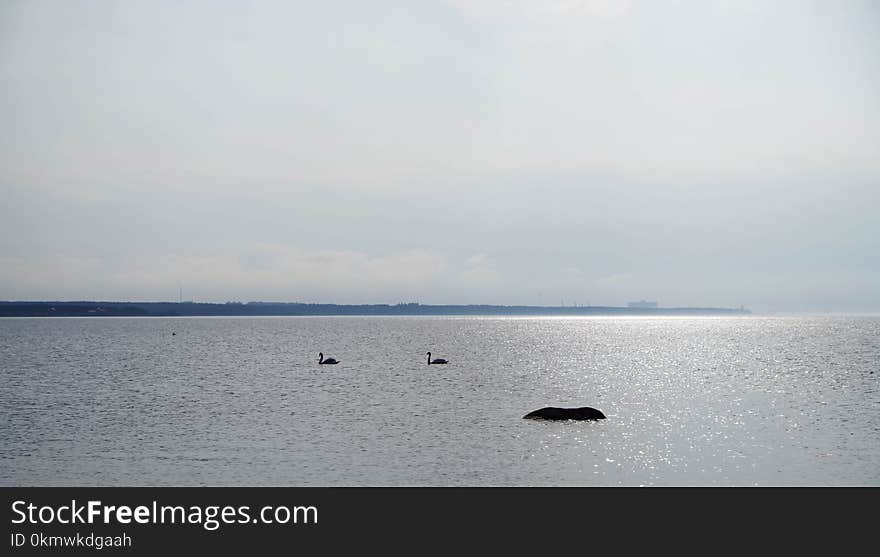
x,y
696,153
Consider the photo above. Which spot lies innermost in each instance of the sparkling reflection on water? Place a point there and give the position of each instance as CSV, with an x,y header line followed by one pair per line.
x,y
242,401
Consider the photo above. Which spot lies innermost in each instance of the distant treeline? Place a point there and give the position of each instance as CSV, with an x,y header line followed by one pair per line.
x,y
172,309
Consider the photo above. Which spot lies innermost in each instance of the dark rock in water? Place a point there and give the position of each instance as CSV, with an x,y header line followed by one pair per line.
x,y
552,413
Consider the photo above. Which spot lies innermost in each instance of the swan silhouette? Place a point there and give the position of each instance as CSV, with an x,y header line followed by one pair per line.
x,y
322,361
436,360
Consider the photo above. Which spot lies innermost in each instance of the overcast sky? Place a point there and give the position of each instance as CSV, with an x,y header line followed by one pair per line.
x,y
469,151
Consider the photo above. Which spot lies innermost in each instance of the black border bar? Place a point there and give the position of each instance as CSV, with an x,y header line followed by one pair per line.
x,y
542,521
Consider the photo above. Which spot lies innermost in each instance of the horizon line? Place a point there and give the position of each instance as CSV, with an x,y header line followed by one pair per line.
x,y
389,304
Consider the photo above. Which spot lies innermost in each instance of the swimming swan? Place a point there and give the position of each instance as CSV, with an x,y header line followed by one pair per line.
x,y
436,360
322,361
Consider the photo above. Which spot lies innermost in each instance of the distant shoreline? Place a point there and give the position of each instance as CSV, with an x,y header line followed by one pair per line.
x,y
267,309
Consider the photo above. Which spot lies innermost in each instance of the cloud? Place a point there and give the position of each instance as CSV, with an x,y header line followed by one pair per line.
x,y
265,272
479,269
544,11
617,280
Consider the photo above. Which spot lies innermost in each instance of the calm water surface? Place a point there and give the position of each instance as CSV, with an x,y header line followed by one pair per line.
x,y
242,401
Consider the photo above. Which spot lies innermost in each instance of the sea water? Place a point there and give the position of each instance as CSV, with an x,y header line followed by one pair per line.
x,y
723,401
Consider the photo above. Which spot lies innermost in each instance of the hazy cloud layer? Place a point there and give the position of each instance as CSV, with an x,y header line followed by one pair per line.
x,y
698,153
